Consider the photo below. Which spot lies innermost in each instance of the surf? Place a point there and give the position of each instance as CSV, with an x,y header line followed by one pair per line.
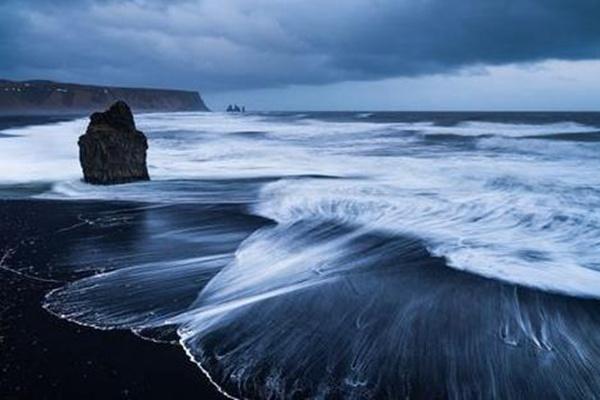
x,y
345,256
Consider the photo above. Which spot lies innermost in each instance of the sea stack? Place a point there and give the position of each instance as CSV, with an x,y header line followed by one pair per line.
x,y
112,150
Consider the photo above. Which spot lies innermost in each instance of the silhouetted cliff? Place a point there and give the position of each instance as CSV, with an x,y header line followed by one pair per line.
x,y
45,97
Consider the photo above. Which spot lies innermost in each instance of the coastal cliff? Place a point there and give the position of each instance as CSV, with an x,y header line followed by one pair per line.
x,y
51,98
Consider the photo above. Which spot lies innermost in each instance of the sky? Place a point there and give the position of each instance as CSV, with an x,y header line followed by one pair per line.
x,y
318,55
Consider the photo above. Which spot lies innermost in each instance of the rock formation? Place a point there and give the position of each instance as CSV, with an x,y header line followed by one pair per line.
x,y
112,150
236,109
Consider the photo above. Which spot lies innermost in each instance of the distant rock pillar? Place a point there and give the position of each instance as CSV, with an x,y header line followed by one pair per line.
x,y
112,150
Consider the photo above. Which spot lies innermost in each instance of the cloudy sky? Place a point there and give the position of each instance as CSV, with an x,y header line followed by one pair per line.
x,y
318,54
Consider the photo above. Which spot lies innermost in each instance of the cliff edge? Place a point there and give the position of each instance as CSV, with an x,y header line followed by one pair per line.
x,y
50,98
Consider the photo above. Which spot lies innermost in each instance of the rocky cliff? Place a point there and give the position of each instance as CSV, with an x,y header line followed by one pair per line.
x,y
50,98
112,150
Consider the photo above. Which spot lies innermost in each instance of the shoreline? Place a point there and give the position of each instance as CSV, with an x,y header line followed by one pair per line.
x,y
179,344
45,357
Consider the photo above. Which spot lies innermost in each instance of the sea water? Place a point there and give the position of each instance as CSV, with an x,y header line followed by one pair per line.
x,y
349,255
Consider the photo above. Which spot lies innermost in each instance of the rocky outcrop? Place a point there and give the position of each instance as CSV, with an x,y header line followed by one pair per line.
x,y
54,98
112,150
236,109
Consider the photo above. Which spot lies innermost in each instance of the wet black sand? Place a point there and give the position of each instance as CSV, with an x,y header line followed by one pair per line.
x,y
44,357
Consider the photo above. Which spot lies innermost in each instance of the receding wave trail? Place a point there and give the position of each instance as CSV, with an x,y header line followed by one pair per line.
x,y
320,309
300,256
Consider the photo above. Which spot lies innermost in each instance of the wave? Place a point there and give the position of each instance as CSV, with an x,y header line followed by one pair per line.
x,y
449,196
478,129
327,259
573,137
445,194
210,191
322,309
219,146
492,234
22,151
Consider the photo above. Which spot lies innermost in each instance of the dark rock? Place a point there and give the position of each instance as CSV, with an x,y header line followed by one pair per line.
x,y
112,150
235,109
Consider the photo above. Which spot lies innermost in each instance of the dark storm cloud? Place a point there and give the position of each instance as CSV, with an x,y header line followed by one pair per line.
x,y
221,44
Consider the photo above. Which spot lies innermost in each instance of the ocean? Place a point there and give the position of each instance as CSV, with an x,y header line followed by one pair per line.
x,y
330,254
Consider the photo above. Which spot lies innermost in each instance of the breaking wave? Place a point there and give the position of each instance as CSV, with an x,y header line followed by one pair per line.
x,y
361,261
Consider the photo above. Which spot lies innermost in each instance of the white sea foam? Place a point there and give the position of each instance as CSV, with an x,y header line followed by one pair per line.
x,y
339,298
486,209
521,236
473,128
40,153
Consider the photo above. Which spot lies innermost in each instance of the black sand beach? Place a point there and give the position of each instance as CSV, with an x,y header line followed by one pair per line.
x,y
44,357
